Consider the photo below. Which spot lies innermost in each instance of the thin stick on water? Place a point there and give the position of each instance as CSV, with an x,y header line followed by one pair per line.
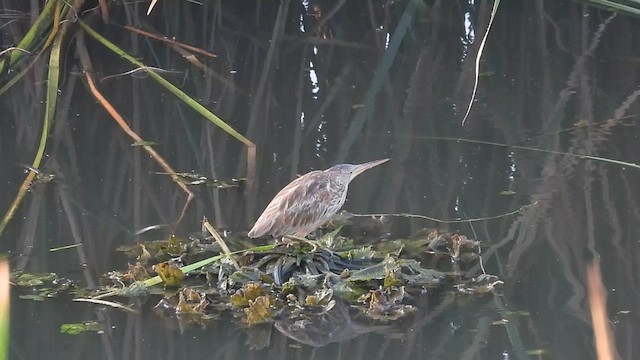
x,y
527,148
480,261
107,303
220,242
457,221
478,57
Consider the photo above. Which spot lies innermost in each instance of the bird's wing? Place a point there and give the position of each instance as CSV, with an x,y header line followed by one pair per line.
x,y
296,207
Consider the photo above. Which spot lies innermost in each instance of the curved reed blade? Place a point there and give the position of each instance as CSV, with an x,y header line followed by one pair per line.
x,y
53,79
623,7
188,100
33,41
31,38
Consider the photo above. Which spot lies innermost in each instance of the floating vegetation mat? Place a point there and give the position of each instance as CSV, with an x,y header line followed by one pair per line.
x,y
302,288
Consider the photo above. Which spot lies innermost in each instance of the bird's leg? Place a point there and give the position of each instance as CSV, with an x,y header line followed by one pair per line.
x,y
301,239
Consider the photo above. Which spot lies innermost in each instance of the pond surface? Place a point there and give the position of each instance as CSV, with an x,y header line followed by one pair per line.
x,y
556,103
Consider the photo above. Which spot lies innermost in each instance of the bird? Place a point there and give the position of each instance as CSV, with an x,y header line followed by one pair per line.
x,y
308,202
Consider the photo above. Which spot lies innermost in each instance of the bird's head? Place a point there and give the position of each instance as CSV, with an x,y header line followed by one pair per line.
x,y
347,172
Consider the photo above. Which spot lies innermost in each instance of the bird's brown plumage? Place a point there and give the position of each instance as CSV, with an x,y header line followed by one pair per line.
x,y
308,201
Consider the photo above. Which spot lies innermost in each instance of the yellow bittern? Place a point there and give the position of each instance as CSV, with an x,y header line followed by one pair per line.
x,y
308,201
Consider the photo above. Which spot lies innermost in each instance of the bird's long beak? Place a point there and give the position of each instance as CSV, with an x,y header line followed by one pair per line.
x,y
366,166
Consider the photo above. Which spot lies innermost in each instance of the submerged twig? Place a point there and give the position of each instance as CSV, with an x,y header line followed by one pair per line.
x,y
579,156
581,125
457,221
170,41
